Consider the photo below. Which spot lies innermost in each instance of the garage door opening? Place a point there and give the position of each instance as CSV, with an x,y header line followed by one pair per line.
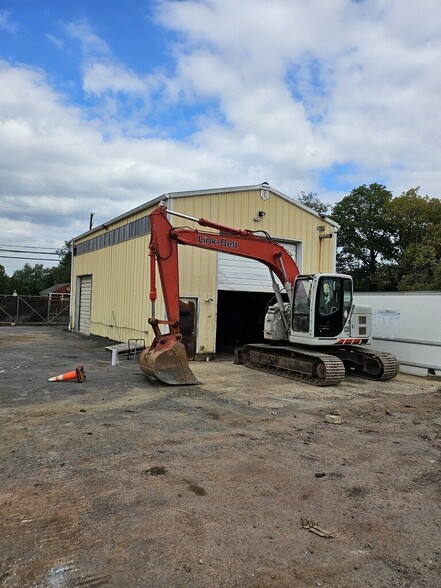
x,y
240,319
83,304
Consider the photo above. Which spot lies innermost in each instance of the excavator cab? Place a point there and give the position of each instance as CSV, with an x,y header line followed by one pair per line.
x,y
333,305
321,305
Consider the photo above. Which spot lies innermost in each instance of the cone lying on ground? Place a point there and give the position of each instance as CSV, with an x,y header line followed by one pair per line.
x,y
76,374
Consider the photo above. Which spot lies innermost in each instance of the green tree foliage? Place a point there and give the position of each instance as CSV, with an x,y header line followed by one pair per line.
x,y
409,214
31,280
61,273
389,243
364,238
416,224
4,281
311,200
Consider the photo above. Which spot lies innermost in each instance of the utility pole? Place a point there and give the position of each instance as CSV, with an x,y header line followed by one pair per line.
x,y
92,214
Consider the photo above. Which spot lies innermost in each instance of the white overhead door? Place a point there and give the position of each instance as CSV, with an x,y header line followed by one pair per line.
x,y
240,274
85,304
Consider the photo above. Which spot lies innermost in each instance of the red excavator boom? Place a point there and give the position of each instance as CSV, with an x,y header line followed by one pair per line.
x,y
165,359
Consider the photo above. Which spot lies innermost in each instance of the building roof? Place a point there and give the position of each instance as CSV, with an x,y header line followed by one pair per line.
x,y
54,288
189,193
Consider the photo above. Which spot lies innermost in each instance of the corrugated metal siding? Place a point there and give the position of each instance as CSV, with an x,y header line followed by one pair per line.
x,y
121,272
240,274
120,289
283,220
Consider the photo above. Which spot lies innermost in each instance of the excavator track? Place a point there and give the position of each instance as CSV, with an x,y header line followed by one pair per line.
x,y
366,363
319,369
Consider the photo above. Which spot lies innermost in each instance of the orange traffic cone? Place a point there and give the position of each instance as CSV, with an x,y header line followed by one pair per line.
x,y
76,374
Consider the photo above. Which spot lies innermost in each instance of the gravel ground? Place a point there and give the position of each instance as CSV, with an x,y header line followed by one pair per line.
x,y
239,481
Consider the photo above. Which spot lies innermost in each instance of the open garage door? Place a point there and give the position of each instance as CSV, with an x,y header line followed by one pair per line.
x,y
240,318
239,274
244,292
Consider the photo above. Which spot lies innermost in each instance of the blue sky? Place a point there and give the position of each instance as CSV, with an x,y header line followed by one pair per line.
x,y
106,105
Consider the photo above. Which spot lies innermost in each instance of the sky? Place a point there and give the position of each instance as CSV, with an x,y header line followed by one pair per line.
x,y
107,104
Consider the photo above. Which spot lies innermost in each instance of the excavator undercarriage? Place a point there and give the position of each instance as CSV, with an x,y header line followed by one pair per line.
x,y
367,363
327,368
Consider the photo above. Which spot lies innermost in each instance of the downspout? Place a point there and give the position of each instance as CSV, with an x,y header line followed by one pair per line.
x,y
71,326
334,247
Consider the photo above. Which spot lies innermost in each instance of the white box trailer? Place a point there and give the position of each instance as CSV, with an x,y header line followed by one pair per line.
x,y
407,324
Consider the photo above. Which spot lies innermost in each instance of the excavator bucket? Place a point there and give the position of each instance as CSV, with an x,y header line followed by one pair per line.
x,y
166,360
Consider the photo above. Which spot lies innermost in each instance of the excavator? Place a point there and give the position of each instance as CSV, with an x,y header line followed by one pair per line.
x,y
313,332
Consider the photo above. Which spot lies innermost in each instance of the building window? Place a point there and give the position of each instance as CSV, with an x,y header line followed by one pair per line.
x,y
113,237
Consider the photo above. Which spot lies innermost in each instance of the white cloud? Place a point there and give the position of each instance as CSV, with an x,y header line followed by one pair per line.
x,y
278,91
362,76
57,166
90,42
57,41
102,77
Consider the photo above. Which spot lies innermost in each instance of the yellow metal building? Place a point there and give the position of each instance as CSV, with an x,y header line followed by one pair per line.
x,y
224,296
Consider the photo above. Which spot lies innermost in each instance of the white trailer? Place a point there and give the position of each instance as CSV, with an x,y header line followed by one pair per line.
x,y
408,325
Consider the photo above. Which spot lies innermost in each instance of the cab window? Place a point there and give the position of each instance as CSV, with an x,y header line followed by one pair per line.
x,y
302,305
330,296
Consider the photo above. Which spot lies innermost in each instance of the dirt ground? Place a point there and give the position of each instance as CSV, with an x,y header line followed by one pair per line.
x,y
237,482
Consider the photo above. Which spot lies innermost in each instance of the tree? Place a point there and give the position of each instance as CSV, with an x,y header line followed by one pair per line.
x,y
417,234
389,243
413,218
4,281
61,273
311,200
422,265
365,236
31,280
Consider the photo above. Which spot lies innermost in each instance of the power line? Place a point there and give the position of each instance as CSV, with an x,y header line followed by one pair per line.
x,y
35,258
31,209
19,251
26,246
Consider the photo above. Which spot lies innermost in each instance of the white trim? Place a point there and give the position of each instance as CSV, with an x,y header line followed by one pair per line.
x,y
170,195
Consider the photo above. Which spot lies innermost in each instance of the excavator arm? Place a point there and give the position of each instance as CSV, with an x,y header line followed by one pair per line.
x,y
165,359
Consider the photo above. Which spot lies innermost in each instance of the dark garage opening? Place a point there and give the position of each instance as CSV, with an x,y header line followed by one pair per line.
x,y
240,318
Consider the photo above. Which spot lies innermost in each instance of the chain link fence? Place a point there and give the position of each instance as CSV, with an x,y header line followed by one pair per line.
x,y
20,310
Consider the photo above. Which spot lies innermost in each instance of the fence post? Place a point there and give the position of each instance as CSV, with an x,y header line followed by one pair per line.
x,y
16,308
